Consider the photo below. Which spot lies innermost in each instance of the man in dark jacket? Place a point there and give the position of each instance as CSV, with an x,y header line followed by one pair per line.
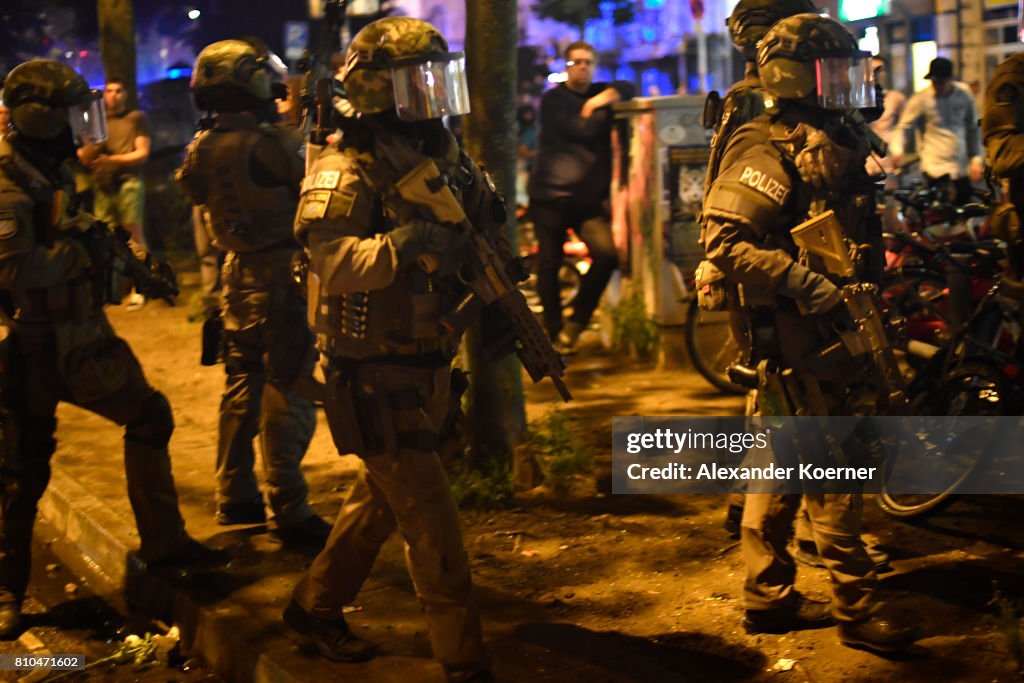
x,y
569,188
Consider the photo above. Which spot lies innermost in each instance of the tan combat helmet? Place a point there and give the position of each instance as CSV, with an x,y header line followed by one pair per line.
x,y
751,19
39,91
404,63
230,67
808,54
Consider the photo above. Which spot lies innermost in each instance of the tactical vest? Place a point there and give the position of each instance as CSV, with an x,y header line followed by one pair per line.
x,y
854,202
405,318
42,225
244,216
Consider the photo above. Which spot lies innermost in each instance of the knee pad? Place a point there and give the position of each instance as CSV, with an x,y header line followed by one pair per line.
x,y
155,423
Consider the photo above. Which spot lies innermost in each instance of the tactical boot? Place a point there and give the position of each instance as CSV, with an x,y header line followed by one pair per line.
x,y
191,558
803,614
878,634
10,620
311,532
332,637
249,512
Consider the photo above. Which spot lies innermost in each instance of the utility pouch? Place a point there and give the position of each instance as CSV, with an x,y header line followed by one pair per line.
x,y
342,416
212,341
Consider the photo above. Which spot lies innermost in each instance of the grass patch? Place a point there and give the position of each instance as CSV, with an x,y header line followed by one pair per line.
x,y
633,330
559,451
1009,619
486,487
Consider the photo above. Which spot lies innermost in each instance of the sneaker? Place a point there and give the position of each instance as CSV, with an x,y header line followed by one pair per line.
x,y
567,338
135,301
311,532
803,615
251,512
878,634
193,557
332,637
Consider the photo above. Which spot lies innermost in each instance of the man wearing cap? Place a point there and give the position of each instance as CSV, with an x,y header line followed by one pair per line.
x,y
950,143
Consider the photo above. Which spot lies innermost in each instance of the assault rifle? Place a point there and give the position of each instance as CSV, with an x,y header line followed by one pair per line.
x,y
491,275
112,244
318,83
822,238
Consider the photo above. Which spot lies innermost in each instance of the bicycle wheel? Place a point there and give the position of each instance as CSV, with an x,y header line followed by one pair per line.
x,y
976,388
712,348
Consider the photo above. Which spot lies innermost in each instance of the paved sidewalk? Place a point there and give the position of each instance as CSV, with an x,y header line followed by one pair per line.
x,y
232,620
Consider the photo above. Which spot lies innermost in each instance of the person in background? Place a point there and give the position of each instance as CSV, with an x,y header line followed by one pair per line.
x,y
116,167
245,173
950,141
885,125
569,188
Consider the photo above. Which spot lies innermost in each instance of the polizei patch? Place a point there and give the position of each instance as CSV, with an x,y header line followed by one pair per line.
x,y
765,184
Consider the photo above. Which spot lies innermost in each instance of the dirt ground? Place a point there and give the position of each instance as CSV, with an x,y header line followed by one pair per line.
x,y
649,588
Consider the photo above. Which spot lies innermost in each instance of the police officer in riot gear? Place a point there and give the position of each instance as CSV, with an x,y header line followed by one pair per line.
x,y
801,159
382,278
246,172
64,349
743,102
1002,129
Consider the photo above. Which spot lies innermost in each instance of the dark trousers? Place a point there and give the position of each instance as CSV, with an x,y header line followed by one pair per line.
x,y
962,189
551,218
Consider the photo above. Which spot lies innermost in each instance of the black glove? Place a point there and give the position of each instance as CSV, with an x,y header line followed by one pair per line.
x,y
413,240
814,292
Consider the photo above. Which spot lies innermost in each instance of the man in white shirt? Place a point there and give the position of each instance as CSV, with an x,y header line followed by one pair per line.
x,y
950,143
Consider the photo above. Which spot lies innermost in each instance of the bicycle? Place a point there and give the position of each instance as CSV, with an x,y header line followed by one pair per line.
x,y
977,372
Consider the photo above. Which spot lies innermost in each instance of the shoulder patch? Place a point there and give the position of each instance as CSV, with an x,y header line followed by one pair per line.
x,y
8,224
322,180
764,183
314,205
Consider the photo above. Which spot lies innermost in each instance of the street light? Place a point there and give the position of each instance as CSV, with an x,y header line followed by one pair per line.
x,y
193,14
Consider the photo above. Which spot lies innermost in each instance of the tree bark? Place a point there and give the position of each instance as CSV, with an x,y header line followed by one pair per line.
x,y
496,410
117,44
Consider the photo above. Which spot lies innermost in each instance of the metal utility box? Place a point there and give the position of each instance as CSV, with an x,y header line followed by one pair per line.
x,y
660,155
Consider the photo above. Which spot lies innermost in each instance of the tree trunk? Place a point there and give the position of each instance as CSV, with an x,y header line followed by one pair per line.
x,y
497,415
117,44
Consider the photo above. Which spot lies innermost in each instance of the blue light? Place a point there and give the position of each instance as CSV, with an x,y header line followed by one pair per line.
x,y
176,72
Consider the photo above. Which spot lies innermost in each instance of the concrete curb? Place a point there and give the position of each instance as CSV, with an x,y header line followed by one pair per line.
x,y
90,540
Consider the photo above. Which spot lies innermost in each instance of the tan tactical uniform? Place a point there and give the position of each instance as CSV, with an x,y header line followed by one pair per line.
x,y
65,350
247,177
1002,128
387,360
758,197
